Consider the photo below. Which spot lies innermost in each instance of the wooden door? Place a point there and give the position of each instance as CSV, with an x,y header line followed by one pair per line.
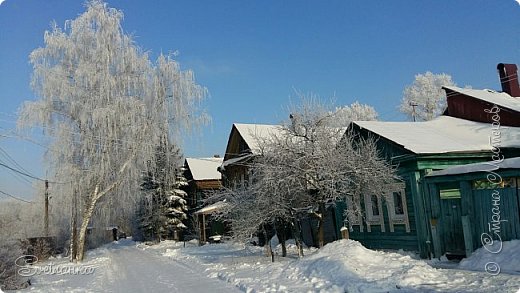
x,y
451,221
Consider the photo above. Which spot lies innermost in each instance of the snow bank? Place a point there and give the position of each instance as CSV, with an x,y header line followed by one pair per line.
x,y
340,266
347,266
506,260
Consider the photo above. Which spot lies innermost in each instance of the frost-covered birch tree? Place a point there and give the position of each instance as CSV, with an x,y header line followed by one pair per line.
x,y
342,116
106,107
424,99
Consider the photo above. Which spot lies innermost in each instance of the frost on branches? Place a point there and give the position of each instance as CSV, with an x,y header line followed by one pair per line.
x,y
425,99
342,116
305,166
106,107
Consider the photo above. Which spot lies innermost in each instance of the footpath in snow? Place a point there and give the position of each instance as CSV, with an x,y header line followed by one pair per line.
x,y
341,266
125,268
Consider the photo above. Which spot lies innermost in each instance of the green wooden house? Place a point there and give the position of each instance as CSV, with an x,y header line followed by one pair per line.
x,y
403,218
473,205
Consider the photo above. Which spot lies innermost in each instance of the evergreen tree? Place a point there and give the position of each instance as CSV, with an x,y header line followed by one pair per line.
x,y
164,206
174,209
149,208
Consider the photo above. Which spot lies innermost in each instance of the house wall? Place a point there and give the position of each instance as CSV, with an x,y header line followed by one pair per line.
x,y
469,108
235,174
399,238
412,169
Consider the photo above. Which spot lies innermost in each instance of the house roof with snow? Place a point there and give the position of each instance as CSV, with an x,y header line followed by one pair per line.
x,y
204,168
511,163
253,134
444,134
502,99
246,138
215,207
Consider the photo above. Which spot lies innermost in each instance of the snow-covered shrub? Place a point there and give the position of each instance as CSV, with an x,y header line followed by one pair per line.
x,y
10,251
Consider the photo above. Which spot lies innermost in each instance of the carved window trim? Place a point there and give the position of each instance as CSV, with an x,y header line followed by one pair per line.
x,y
353,218
371,218
507,182
393,218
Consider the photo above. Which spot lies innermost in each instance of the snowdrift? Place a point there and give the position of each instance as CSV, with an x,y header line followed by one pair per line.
x,y
505,260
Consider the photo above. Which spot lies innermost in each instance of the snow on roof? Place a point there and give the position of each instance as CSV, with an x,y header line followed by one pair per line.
x,y
254,133
204,168
512,163
234,161
490,96
443,135
212,208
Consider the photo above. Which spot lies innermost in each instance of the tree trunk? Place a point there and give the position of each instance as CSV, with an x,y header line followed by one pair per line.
x,y
281,232
284,246
268,244
296,231
321,228
87,215
74,230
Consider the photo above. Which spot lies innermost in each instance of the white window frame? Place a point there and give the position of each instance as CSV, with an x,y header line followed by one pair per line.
x,y
372,219
354,220
393,218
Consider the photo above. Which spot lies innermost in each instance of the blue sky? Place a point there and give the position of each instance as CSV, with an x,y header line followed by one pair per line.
x,y
252,55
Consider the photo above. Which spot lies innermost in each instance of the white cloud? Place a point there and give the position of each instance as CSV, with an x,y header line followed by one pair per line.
x,y
517,1
1,1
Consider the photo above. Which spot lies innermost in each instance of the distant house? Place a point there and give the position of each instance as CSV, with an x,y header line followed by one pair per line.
x,y
244,144
410,217
203,178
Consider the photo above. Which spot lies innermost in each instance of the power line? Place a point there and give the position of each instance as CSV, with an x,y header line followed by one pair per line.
x,y
14,197
20,178
9,158
29,175
20,172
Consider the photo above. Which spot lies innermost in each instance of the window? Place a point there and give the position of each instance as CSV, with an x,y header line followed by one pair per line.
x,y
375,205
398,203
354,215
451,193
372,204
374,212
396,206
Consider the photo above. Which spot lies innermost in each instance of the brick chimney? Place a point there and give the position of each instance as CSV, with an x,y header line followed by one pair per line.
x,y
509,79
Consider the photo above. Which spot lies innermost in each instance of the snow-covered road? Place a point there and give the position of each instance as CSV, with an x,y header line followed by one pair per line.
x,y
135,270
127,268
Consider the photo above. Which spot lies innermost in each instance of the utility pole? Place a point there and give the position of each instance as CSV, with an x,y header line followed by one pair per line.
x,y
46,215
413,104
73,224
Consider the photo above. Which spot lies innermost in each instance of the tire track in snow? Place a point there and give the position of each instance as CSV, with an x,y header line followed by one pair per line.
x,y
135,270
